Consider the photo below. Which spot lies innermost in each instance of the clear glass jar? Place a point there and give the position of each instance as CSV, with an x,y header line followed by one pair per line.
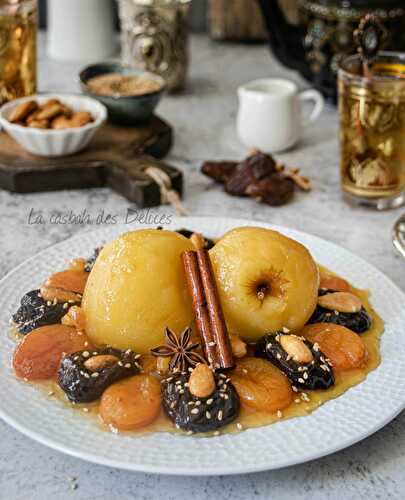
x,y
154,36
18,52
372,130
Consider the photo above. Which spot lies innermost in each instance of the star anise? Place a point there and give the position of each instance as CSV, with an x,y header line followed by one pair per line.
x,y
179,349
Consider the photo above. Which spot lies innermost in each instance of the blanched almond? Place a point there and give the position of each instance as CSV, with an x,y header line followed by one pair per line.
x,y
329,282
201,382
239,347
341,302
98,363
296,348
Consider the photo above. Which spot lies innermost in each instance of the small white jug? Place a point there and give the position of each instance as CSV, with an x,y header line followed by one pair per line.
x,y
270,114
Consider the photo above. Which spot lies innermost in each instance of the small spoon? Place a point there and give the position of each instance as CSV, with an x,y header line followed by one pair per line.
x,y
398,235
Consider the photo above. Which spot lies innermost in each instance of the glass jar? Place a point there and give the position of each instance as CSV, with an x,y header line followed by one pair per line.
x,y
18,58
372,130
154,37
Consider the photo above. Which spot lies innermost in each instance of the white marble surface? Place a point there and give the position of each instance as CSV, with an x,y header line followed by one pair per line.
x,y
204,118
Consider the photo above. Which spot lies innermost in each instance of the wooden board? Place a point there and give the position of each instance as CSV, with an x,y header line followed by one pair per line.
x,y
116,157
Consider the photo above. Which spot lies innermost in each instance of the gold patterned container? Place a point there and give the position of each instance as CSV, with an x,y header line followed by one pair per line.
x,y
154,36
372,130
18,59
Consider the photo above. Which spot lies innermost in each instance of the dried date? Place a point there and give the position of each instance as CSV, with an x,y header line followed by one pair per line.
x,y
275,190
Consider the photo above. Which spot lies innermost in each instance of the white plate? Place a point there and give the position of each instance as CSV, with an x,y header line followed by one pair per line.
x,y
339,423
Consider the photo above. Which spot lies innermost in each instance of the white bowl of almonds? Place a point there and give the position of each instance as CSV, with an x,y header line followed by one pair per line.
x,y
53,124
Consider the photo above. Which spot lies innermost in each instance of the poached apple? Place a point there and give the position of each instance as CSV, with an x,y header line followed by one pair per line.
x,y
266,281
136,289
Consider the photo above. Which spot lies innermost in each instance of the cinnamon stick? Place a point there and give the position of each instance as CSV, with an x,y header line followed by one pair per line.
x,y
200,306
217,320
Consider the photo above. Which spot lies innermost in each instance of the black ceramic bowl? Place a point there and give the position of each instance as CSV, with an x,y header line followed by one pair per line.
x,y
124,109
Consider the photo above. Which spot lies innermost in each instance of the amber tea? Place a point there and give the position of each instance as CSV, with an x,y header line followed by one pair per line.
x,y
18,31
372,131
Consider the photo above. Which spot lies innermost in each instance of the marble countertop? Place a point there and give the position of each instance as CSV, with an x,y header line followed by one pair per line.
x,y
204,121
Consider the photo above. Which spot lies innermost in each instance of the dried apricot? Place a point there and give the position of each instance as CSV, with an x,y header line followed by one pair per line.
x,y
261,386
71,280
39,354
330,282
344,348
131,403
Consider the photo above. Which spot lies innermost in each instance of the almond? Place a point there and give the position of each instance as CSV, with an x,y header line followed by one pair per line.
x,y
239,347
201,382
329,282
20,112
49,111
98,363
341,302
296,348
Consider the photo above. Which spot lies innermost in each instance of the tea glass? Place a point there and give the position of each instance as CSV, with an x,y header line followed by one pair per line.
x,y
372,131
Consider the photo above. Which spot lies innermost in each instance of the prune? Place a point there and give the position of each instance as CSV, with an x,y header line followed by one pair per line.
x,y
85,375
34,312
253,168
91,260
196,414
314,374
275,190
358,322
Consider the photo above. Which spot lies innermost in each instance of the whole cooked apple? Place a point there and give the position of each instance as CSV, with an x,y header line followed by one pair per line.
x,y
265,280
137,288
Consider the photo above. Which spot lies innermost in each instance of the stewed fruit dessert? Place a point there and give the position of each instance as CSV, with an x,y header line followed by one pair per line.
x,y
172,331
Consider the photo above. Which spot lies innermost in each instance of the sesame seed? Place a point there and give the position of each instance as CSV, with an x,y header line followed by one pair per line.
x,y
209,401
95,353
197,403
80,333
279,414
288,357
86,344
316,347
226,396
51,393
75,358
294,388
269,345
169,379
212,344
95,374
190,370
216,433
173,404
65,305
120,363
194,411
127,365
48,303
86,375
128,351
85,354
137,356
219,416
305,376
286,330
244,371
301,380
181,391
86,410
278,355
220,382
297,401
208,415
239,426
222,375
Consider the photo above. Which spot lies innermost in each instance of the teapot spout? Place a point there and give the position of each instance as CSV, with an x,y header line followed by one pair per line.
x,y
286,40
